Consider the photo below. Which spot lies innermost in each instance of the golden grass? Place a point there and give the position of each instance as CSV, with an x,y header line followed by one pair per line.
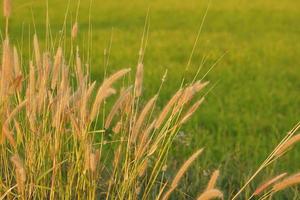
x,y
267,184
211,194
6,8
213,180
287,182
288,144
139,80
74,31
55,131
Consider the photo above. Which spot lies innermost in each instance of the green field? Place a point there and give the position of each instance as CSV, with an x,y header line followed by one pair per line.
x,y
255,99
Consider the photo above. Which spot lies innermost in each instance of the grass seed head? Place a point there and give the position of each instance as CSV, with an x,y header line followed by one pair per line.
x,y
139,80
167,108
20,172
38,59
288,144
287,182
117,106
191,111
141,118
74,31
17,67
213,180
268,183
6,8
211,194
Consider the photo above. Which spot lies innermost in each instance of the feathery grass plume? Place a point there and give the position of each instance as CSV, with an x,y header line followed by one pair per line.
x,y
104,91
128,104
213,180
143,167
61,106
46,65
146,133
84,101
117,128
18,77
181,172
191,111
78,98
7,68
167,108
211,194
30,95
87,156
77,95
139,80
289,143
267,184
20,173
117,106
15,111
113,78
74,31
188,94
198,86
6,8
17,67
117,155
32,84
43,80
185,97
38,59
64,84
56,67
99,99
139,122
143,141
6,134
287,182
79,72
185,167
16,85
94,159
75,126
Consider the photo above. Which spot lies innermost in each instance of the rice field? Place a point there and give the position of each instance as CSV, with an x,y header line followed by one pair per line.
x,y
248,51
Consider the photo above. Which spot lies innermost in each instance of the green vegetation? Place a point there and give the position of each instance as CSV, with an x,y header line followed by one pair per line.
x,y
255,100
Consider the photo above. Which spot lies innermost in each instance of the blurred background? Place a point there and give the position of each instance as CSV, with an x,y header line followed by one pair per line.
x,y
254,46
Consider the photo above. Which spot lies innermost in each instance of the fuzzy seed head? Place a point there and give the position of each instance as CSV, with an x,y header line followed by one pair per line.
x,y
6,8
74,31
139,80
211,194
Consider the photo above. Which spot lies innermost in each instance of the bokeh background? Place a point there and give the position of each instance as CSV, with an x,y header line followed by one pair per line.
x,y
254,95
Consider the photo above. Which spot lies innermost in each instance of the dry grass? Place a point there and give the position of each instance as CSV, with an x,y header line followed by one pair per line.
x,y
53,145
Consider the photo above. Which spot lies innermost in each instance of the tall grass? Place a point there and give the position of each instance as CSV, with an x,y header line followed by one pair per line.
x,y
60,140
56,142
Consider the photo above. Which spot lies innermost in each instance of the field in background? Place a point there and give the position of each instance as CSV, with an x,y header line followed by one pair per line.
x,y
256,98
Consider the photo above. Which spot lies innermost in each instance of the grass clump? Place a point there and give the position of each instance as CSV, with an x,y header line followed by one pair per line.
x,y
60,141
